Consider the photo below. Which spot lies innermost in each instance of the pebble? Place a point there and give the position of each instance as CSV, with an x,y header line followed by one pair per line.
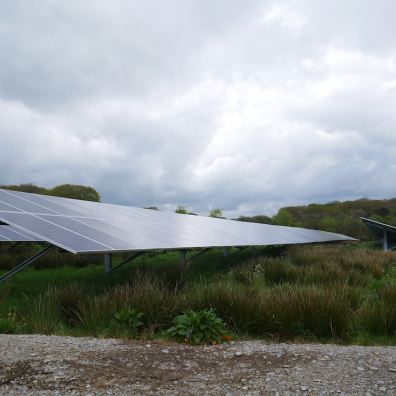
x,y
67,365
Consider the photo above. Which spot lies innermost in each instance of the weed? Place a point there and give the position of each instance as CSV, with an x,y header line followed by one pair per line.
x,y
130,318
197,327
11,324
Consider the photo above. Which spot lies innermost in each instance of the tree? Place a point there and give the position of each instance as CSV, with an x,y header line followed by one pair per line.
x,y
181,209
216,212
284,217
29,188
75,191
256,219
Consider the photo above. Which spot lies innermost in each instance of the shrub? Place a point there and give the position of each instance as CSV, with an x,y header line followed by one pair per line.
x,y
11,324
130,318
197,327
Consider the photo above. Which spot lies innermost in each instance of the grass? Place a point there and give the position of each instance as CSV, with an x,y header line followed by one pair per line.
x,y
343,293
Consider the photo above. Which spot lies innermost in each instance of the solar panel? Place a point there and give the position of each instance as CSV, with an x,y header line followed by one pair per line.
x,y
12,234
88,227
382,231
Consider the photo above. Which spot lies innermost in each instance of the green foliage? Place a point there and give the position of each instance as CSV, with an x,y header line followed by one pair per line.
x,y
130,318
256,219
197,327
65,190
11,324
285,218
29,188
340,217
377,316
320,292
75,191
216,212
181,210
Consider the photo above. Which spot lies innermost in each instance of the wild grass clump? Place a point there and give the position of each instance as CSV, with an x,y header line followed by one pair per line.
x,y
235,303
307,310
43,316
312,292
377,316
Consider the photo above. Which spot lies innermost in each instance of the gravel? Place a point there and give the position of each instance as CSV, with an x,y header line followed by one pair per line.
x,y
52,365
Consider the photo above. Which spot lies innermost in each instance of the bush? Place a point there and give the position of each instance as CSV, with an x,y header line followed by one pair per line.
x,y
197,327
130,318
11,324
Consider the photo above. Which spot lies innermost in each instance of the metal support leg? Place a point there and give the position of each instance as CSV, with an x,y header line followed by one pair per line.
x,y
198,254
240,249
27,262
385,240
12,247
107,262
127,260
226,252
183,257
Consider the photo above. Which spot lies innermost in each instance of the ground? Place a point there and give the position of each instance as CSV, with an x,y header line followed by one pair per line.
x,y
48,365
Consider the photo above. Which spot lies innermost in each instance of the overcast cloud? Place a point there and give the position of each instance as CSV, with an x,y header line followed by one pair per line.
x,y
243,105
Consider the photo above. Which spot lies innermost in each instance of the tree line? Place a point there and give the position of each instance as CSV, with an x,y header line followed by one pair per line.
x,y
74,191
339,217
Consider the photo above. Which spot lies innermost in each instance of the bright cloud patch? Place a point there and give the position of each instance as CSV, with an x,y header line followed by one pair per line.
x,y
246,107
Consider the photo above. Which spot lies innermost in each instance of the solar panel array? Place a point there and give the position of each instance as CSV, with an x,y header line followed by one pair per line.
x,y
92,227
13,234
378,229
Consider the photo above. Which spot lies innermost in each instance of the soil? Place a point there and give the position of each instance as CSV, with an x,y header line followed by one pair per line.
x,y
52,365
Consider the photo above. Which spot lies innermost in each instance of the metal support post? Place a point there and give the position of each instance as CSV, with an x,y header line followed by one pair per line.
x,y
27,262
385,240
107,262
183,259
127,260
226,252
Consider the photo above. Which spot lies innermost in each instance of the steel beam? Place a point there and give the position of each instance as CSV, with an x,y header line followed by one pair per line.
x,y
26,263
12,247
107,262
200,253
385,240
183,259
110,269
240,249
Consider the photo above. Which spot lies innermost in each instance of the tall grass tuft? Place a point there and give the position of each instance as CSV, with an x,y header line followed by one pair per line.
x,y
377,316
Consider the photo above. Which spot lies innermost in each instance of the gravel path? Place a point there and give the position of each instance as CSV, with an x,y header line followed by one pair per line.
x,y
49,365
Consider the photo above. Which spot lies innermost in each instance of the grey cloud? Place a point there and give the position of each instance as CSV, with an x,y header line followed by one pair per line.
x,y
245,106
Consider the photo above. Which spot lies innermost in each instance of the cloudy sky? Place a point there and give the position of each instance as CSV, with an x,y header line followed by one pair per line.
x,y
244,105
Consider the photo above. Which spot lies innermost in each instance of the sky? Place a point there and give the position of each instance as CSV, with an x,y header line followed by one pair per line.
x,y
243,105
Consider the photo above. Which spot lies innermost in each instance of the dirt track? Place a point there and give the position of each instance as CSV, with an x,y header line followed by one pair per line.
x,y
42,365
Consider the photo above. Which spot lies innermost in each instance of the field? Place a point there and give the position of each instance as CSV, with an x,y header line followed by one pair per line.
x,y
342,293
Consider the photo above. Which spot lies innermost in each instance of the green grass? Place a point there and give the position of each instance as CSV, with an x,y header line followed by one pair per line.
x,y
343,293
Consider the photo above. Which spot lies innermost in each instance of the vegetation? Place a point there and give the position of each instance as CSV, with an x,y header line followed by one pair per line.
x,y
345,293
326,292
197,327
216,212
340,217
65,190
